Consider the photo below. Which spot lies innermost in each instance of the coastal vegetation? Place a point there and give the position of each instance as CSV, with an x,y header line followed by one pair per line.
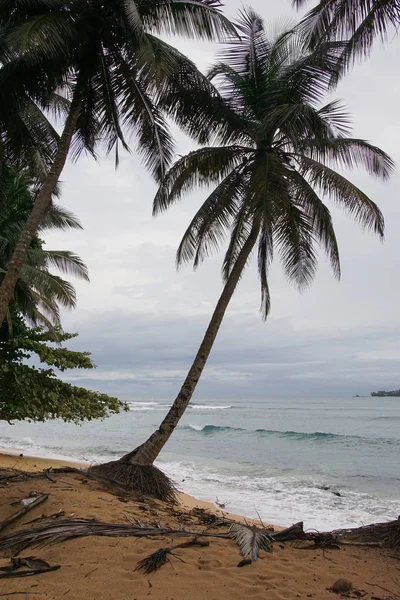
x,y
37,393
384,394
271,154
28,391
116,75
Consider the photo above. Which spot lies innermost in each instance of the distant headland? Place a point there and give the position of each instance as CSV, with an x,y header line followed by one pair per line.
x,y
383,393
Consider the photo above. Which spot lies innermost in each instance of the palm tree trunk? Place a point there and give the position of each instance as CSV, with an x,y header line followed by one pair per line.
x,y
42,203
146,453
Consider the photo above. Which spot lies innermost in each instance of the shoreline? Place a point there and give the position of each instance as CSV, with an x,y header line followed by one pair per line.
x,y
31,464
104,566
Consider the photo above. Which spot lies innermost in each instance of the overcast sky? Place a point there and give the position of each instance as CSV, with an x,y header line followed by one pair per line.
x,y
143,321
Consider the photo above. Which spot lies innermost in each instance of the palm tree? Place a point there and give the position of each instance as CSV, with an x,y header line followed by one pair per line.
x,y
118,74
269,179
357,21
39,293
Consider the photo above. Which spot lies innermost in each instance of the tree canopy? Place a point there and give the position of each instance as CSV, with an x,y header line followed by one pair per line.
x,y
37,393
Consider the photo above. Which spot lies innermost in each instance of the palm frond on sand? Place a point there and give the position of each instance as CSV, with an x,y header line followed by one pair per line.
x,y
250,540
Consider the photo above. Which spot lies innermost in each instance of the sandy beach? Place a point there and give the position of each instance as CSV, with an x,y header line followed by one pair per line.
x,y
104,567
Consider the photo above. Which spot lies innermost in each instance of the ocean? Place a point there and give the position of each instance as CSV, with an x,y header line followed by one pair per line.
x,y
329,462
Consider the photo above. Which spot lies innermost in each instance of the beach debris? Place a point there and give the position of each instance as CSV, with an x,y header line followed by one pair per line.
x,y
158,558
55,515
46,473
34,565
27,504
67,529
207,518
386,534
244,562
250,540
221,504
342,586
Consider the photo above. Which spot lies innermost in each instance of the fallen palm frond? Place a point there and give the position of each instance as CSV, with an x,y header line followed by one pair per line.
x,y
35,566
158,558
72,528
250,540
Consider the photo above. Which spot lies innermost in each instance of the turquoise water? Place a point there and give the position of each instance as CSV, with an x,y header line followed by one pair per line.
x,y
331,462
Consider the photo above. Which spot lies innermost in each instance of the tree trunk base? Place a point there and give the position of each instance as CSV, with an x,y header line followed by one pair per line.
x,y
146,480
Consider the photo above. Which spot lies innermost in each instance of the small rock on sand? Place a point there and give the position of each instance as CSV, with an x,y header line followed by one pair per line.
x,y
341,586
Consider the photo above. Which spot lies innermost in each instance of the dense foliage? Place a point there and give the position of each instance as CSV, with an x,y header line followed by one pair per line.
x,y
37,393
39,292
384,393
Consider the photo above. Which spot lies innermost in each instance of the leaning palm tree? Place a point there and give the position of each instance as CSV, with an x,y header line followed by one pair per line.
x,y
118,74
359,22
270,178
39,293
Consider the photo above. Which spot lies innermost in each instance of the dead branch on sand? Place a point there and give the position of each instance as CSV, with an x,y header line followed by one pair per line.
x,y
27,506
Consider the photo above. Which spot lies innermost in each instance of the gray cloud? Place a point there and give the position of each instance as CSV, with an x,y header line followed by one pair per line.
x,y
143,321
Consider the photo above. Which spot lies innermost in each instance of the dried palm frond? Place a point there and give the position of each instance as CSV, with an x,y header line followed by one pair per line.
x,y
158,558
154,561
72,528
250,540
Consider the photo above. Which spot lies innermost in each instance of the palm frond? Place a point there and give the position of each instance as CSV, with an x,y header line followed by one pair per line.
x,y
199,168
210,225
58,217
358,21
250,540
63,260
295,238
52,288
190,18
143,118
241,229
322,225
344,193
349,153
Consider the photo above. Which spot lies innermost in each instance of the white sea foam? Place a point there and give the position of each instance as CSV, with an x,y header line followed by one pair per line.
x,y
277,498
197,427
163,406
282,500
208,407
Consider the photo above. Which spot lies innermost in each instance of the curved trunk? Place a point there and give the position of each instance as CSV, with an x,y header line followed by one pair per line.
x,y
146,453
40,206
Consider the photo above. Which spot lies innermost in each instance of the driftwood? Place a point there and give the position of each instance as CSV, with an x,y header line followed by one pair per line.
x,y
295,532
378,534
157,559
23,511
